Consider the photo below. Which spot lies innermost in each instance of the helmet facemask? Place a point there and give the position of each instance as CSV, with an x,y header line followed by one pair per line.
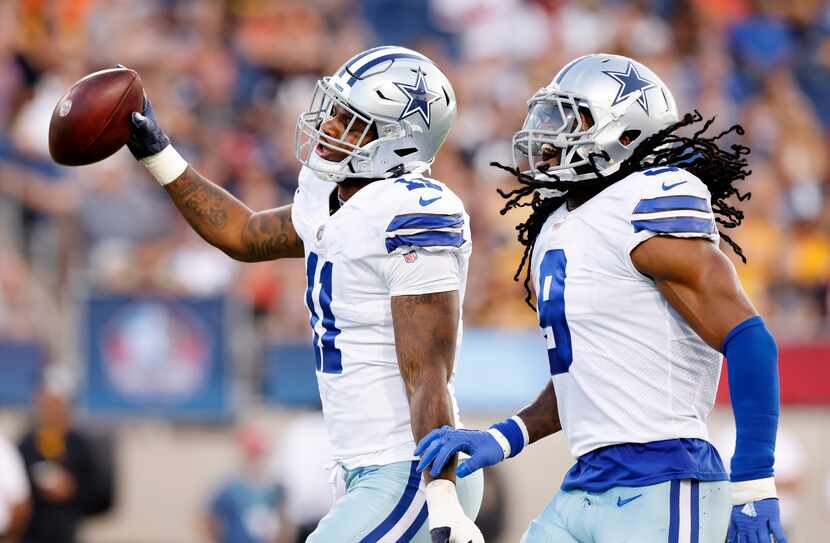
x,y
557,138
565,138
360,152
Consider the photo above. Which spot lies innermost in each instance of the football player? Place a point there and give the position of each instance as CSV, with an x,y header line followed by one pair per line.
x,y
386,250
636,303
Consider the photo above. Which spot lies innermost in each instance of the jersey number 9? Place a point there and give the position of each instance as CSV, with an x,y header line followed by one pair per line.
x,y
550,297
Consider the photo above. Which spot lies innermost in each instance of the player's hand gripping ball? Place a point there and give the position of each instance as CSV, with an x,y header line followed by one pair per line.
x,y
92,120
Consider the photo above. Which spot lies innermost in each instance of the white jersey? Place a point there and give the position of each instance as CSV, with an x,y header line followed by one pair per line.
x,y
626,367
393,237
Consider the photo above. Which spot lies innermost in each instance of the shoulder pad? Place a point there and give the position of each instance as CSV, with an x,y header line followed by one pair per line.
x,y
670,181
672,201
424,213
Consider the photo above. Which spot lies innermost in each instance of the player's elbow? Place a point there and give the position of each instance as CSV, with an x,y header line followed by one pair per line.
x,y
239,255
232,251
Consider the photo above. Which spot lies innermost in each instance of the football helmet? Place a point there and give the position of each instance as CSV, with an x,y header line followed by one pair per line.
x,y
582,114
396,94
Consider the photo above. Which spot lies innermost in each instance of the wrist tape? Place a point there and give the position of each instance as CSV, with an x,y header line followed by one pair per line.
x,y
166,166
752,491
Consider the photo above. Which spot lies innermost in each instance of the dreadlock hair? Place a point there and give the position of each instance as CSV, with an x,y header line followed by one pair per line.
x,y
700,155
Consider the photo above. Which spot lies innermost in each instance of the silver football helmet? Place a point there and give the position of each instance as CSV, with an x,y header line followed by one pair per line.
x,y
590,104
396,107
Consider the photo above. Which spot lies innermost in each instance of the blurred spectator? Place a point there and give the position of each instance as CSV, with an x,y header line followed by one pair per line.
x,y
227,82
247,508
69,480
14,492
303,465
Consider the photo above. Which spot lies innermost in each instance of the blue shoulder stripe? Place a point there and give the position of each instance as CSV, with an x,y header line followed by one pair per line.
x,y
673,203
426,220
425,239
676,225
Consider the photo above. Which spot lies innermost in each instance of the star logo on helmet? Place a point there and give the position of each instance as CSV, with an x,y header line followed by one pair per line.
x,y
630,82
419,97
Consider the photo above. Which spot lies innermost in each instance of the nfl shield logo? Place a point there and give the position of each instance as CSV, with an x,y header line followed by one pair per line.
x,y
410,257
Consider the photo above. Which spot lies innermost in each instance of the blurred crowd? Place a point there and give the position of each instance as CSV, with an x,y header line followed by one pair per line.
x,y
228,79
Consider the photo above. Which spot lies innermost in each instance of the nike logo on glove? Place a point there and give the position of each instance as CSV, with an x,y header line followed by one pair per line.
x,y
669,187
425,203
621,502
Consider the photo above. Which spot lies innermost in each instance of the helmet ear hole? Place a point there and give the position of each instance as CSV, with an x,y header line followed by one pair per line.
x,y
627,137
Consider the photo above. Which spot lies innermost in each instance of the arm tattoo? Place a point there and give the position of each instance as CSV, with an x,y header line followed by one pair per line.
x,y
226,223
200,201
270,234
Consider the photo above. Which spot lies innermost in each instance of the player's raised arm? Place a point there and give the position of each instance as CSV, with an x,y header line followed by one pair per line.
x,y
214,213
701,284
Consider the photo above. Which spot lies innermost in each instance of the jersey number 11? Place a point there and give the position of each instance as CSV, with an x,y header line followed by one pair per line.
x,y
327,355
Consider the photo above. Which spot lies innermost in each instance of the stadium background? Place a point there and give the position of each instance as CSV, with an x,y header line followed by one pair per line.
x,y
170,346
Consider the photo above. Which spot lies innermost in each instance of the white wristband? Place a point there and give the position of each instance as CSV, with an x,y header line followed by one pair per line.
x,y
166,166
501,440
751,491
522,427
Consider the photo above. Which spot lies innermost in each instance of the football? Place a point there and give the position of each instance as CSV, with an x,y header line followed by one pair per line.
x,y
92,120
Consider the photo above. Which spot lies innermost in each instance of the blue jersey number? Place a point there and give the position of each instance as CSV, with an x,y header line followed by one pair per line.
x,y
419,183
326,354
551,301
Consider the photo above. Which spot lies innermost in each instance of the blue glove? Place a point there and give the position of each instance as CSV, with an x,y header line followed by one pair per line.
x,y
440,445
755,521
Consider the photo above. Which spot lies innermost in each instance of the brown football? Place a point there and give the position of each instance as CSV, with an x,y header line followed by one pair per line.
x,y
92,120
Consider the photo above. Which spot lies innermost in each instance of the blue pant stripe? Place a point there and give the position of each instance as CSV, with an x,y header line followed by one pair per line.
x,y
399,510
674,511
695,511
412,530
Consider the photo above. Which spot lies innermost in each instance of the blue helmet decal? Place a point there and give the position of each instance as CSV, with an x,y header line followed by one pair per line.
x,y
419,98
630,82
